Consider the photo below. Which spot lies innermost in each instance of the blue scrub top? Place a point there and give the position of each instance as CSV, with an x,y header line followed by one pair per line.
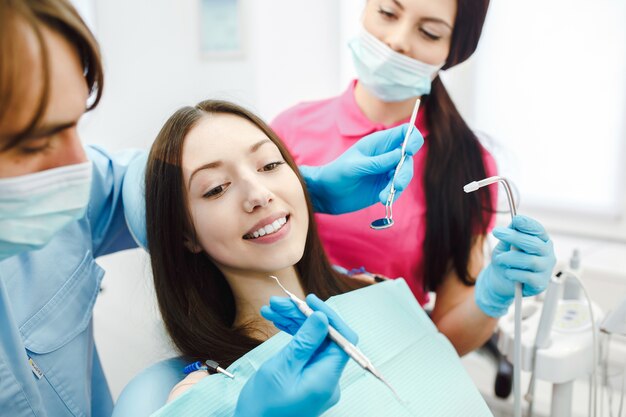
x,y
49,365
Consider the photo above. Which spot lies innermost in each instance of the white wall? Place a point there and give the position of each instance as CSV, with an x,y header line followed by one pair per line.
x,y
154,65
550,86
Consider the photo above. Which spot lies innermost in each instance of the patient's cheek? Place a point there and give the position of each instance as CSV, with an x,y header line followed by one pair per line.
x,y
191,379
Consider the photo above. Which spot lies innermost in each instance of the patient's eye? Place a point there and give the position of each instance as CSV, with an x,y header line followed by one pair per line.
x,y
215,192
272,166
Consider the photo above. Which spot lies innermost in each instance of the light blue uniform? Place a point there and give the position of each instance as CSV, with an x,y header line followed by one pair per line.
x,y
46,304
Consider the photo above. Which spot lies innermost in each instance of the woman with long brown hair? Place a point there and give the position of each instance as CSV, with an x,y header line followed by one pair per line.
x,y
61,207
225,208
436,243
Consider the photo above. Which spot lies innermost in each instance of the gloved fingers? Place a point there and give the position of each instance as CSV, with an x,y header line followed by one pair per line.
x,y
533,283
381,164
335,320
500,247
402,180
390,139
306,341
523,241
415,141
283,323
133,192
529,226
282,310
286,308
523,261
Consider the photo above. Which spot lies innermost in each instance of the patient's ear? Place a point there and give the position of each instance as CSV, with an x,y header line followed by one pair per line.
x,y
192,246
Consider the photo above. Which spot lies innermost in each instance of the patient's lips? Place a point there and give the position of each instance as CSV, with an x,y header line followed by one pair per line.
x,y
270,229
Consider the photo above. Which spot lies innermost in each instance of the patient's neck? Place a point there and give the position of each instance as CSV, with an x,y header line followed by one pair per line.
x,y
252,290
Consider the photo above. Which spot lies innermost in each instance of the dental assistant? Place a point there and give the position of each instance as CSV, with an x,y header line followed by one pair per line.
x,y
437,241
61,207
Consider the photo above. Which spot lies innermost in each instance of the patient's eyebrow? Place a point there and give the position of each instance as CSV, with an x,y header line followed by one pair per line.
x,y
210,165
217,164
257,145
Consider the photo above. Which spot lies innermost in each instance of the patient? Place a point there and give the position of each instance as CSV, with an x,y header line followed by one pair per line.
x,y
226,208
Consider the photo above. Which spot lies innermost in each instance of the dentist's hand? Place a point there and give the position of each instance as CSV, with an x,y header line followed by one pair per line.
x,y
134,198
361,176
531,263
302,379
288,318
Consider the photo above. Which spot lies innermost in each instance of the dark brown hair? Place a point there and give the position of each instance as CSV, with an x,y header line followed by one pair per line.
x,y
59,16
453,218
195,300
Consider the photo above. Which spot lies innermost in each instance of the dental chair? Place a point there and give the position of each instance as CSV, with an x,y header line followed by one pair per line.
x,y
148,391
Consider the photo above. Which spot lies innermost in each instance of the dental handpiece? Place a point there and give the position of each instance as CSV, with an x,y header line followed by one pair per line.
x,y
351,350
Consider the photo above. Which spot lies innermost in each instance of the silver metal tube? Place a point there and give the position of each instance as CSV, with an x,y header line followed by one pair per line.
x,y
517,348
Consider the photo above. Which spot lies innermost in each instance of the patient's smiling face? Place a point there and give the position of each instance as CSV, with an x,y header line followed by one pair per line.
x,y
246,203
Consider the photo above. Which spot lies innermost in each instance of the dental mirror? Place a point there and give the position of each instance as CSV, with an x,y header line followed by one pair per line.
x,y
387,221
383,223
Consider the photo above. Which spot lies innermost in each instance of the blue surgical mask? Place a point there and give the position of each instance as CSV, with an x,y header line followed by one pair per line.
x,y
387,74
34,207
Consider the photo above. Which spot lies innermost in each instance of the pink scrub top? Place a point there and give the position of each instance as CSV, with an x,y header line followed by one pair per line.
x,y
318,132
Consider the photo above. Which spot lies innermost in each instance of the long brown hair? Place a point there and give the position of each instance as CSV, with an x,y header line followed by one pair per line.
x,y
453,218
195,300
59,16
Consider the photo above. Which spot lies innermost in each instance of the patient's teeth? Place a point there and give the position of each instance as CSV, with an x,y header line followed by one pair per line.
x,y
275,226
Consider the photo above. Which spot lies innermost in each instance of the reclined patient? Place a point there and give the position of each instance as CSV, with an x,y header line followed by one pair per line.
x,y
225,209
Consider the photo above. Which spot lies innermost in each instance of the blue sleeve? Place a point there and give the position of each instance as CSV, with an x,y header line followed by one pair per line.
x,y
106,206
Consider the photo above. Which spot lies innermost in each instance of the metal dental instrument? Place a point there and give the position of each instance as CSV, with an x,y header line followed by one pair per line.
x,y
517,351
387,221
341,341
208,365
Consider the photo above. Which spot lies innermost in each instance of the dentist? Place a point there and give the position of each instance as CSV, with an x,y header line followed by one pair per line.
x,y
61,207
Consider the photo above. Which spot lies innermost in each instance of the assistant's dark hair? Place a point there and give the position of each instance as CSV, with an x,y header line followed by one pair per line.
x,y
195,300
17,17
453,218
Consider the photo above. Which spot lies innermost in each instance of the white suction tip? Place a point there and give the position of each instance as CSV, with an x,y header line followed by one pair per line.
x,y
472,186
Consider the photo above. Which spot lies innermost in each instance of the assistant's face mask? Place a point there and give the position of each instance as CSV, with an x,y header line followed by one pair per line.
x,y
34,207
387,74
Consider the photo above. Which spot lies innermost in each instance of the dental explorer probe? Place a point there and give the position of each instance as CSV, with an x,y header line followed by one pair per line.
x,y
345,345
517,348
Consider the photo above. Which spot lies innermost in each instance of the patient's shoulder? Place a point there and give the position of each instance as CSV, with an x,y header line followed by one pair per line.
x,y
191,379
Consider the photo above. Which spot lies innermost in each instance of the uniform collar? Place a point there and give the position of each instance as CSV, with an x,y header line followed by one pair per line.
x,y
351,121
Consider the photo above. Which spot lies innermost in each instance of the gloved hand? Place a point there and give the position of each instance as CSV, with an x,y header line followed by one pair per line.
x,y
361,176
287,317
302,379
134,198
531,263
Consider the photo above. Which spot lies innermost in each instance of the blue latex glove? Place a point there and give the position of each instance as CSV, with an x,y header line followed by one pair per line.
x,y
361,176
302,379
531,263
133,196
287,317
